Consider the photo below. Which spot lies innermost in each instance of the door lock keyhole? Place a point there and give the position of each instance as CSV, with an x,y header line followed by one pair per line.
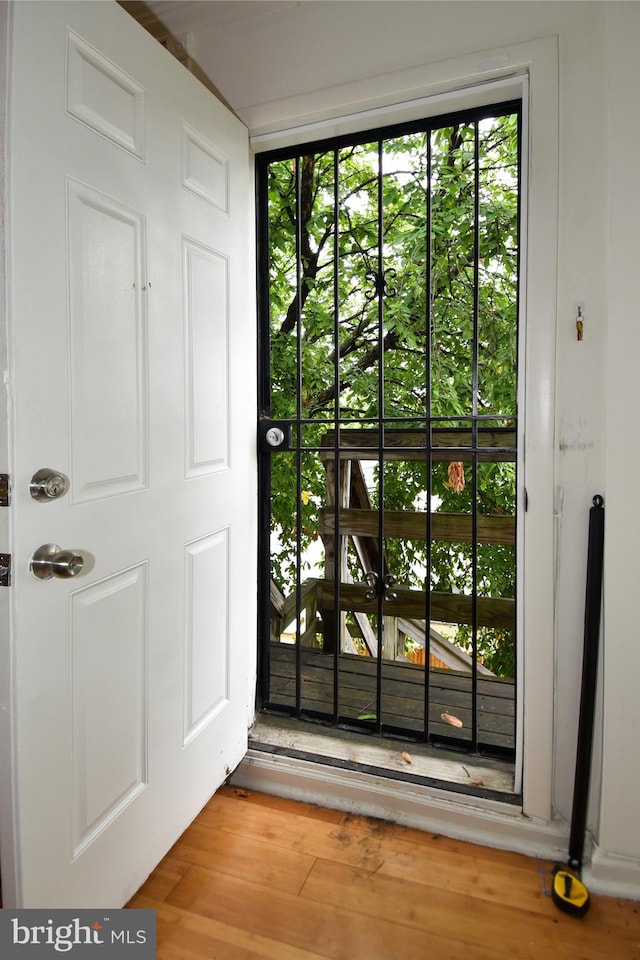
x,y
47,484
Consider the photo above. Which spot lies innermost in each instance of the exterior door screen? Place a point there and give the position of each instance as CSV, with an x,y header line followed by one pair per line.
x,y
388,272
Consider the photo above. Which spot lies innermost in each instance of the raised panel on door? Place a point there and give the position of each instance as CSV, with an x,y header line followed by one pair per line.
x,y
102,95
205,169
206,281
207,680
109,637
107,344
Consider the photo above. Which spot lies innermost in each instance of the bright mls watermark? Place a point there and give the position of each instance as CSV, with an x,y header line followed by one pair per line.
x,y
26,934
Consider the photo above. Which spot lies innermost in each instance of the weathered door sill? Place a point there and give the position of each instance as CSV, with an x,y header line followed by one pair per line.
x,y
382,757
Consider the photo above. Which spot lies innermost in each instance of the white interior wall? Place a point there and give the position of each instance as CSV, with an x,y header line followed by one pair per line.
x,y
620,797
318,45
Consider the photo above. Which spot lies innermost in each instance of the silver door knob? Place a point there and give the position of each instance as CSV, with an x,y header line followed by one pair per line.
x,y
50,561
47,484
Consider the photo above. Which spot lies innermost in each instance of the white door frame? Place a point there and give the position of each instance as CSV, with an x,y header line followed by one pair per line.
x,y
528,70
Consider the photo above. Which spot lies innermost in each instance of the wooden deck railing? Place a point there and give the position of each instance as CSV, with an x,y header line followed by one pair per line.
x,y
347,499
402,525
495,444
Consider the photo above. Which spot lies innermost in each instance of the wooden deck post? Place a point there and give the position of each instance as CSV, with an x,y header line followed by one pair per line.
x,y
335,555
389,638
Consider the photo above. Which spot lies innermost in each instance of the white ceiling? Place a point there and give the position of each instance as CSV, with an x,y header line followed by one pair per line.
x,y
213,31
198,17
281,62
254,53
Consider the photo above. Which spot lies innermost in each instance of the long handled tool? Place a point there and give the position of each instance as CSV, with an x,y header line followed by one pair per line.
x,y
567,890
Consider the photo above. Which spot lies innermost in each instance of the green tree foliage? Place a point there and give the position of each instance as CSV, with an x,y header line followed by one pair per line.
x,y
359,346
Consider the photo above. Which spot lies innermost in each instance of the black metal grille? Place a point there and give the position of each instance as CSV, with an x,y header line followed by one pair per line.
x,y
388,302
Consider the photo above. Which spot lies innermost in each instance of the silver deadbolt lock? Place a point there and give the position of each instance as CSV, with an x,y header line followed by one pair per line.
x,y
274,436
48,484
50,561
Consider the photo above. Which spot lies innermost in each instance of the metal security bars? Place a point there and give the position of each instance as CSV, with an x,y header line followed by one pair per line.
x,y
388,302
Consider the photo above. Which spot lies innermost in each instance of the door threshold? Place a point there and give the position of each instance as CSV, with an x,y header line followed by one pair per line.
x,y
392,759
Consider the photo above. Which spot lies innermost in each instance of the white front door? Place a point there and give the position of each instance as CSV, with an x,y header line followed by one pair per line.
x,y
131,368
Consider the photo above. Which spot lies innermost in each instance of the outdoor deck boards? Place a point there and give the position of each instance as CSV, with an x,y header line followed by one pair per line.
x,y
402,694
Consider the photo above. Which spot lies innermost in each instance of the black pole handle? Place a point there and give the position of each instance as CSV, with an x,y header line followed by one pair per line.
x,y
593,608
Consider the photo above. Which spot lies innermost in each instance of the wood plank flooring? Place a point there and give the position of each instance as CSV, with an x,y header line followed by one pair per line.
x,y
259,877
402,694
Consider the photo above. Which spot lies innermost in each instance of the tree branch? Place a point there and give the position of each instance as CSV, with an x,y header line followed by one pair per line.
x,y
367,360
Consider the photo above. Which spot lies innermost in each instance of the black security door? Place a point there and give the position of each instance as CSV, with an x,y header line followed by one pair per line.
x,y
389,432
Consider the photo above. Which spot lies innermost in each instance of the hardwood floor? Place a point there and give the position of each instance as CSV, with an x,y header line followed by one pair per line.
x,y
257,876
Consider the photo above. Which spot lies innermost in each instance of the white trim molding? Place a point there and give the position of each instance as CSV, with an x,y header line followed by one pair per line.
x,y
403,94
472,819
431,105
612,875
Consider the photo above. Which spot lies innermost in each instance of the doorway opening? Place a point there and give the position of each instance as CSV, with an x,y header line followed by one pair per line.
x,y
389,442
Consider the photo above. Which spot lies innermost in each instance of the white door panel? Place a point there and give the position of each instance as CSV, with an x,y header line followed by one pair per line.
x,y
132,365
